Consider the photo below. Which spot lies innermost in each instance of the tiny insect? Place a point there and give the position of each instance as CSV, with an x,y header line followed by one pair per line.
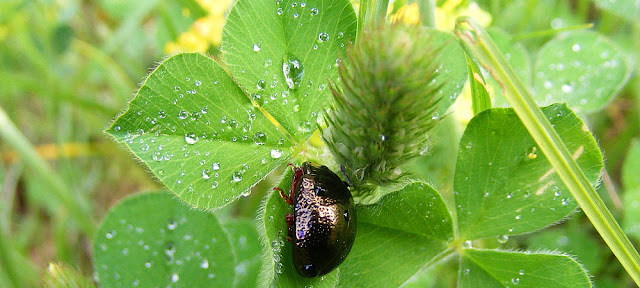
x,y
322,228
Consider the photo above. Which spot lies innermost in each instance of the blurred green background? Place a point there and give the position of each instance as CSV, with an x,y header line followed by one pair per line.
x,y
68,67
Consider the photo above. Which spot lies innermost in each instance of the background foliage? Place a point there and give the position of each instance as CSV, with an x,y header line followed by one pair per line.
x,y
67,67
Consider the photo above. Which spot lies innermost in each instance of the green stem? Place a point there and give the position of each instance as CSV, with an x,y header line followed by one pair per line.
x,y
371,13
74,205
427,10
550,32
485,50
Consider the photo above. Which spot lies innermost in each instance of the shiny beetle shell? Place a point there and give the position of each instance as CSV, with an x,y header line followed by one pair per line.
x,y
323,226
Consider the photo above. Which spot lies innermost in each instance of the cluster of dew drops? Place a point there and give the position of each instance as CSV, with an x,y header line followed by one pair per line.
x,y
569,87
130,233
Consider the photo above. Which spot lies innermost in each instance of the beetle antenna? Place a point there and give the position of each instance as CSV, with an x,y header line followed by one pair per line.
x,y
344,172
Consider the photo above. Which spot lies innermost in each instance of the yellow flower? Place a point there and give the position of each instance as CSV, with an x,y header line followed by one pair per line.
x,y
204,32
449,11
407,14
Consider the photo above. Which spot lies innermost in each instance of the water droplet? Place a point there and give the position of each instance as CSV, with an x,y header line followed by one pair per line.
x,y
174,278
260,138
183,114
566,88
575,47
237,176
256,47
214,185
323,37
503,239
205,174
172,224
261,84
110,234
293,72
314,11
148,264
276,153
521,272
515,280
190,138
197,83
204,264
279,11
144,147
215,166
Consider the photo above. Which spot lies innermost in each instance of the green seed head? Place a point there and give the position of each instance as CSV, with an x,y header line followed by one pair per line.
x,y
384,104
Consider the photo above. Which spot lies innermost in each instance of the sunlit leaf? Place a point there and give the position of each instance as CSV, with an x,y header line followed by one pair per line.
x,y
503,183
491,268
154,240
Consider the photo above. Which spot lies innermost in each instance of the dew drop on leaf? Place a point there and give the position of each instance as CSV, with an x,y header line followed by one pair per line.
x,y
293,71
256,47
190,138
260,138
237,176
215,166
172,224
206,174
314,11
503,239
276,153
323,37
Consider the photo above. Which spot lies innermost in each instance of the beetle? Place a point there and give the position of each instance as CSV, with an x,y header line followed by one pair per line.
x,y
322,228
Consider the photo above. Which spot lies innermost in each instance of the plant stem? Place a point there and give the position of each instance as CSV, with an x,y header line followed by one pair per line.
x,y
371,13
485,50
427,12
74,205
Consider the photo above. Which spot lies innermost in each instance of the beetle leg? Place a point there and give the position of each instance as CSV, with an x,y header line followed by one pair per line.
x,y
288,199
290,223
297,174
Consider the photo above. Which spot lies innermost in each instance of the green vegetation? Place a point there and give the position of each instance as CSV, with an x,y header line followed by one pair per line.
x,y
527,178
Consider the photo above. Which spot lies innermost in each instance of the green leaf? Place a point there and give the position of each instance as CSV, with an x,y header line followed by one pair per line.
x,y
504,185
278,268
628,9
491,268
154,240
284,53
198,132
574,239
582,68
398,236
246,241
452,73
480,98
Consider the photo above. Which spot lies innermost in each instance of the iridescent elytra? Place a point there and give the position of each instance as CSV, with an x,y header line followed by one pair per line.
x,y
322,228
